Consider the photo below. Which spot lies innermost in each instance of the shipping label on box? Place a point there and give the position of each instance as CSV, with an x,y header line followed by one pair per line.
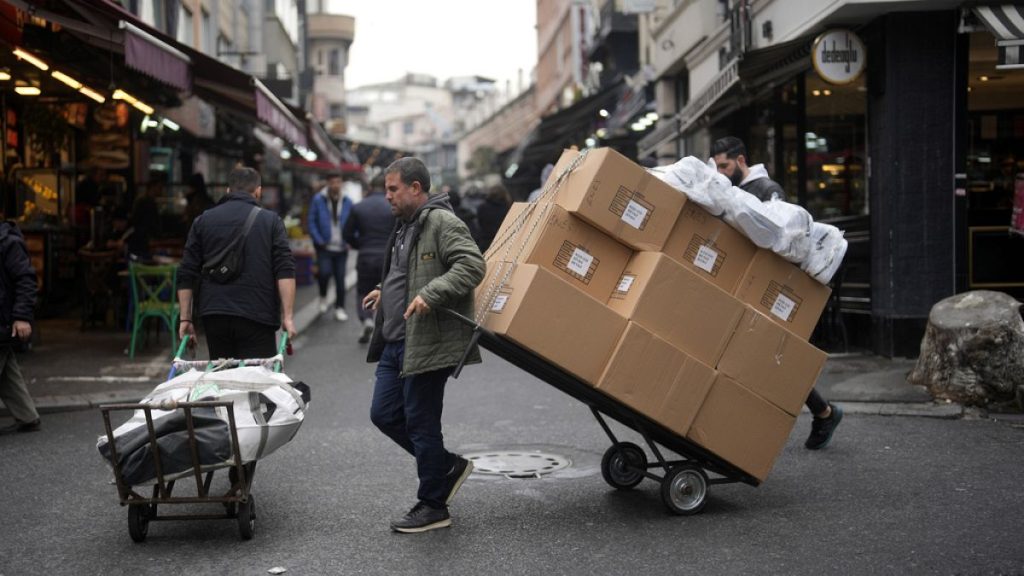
x,y
677,304
656,379
536,309
741,427
711,246
772,362
549,236
783,292
617,196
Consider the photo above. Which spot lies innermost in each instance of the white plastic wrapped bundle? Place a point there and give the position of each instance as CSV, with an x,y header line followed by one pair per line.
x,y
268,411
828,248
691,177
794,240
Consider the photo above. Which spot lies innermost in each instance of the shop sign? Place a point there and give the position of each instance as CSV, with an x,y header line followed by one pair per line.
x,y
839,56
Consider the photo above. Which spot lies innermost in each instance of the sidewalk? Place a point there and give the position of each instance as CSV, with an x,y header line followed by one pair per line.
x,y
70,369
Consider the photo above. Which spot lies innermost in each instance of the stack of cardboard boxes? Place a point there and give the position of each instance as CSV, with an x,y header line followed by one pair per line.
x,y
616,278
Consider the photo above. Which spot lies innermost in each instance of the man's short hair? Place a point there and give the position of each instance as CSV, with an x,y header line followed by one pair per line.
x,y
333,175
244,179
731,146
377,183
411,169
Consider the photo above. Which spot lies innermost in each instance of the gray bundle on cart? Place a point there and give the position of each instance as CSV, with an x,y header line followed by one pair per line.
x,y
268,410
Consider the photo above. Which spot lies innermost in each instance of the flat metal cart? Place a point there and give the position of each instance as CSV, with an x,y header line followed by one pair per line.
x,y
238,501
684,482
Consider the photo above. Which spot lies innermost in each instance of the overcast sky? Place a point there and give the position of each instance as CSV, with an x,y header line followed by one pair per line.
x,y
443,38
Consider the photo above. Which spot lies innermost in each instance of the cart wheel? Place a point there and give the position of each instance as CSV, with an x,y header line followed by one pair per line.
x,y
619,464
684,489
138,521
247,518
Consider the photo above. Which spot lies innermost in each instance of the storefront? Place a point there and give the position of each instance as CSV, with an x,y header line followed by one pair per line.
x,y
916,154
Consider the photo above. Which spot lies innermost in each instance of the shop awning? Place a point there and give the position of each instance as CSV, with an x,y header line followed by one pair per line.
x,y
105,22
322,143
754,71
1006,23
154,57
273,112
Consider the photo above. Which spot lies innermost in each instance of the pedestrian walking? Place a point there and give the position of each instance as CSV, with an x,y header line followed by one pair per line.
x,y
431,262
240,314
328,212
492,213
367,230
17,306
730,156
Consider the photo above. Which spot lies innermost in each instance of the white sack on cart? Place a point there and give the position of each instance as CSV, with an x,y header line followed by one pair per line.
x,y
828,248
268,411
692,177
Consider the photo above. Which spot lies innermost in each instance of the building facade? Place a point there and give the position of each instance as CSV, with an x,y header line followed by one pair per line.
x,y
913,147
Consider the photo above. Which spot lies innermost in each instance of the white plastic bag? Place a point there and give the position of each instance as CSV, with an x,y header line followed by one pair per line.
x,y
691,177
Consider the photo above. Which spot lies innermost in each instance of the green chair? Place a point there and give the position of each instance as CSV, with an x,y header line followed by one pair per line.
x,y
154,294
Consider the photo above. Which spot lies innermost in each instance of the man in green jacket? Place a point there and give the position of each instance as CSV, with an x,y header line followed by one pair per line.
x,y
431,261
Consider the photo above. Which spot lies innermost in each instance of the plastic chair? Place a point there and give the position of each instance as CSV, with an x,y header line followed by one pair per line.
x,y
154,294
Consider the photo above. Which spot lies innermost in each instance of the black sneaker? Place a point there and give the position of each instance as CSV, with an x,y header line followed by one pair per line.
x,y
421,519
457,475
367,333
822,429
19,426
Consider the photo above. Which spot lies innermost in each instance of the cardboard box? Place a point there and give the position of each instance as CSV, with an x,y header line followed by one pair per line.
x,y
618,196
709,246
539,311
656,379
549,236
689,312
783,292
772,362
741,428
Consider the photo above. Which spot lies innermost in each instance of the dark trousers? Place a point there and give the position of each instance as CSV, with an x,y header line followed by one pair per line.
x,y
330,264
408,410
237,337
368,275
815,403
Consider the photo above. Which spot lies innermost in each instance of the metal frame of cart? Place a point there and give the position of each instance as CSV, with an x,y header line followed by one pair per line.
x,y
684,482
238,501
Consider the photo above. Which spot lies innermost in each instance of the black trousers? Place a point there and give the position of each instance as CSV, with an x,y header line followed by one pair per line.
x,y
368,275
237,337
815,403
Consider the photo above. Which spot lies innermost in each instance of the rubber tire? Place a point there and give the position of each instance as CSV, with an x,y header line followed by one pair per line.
x,y
613,469
138,521
247,518
684,490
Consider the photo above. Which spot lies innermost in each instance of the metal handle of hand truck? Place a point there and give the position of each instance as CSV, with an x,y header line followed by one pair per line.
x,y
472,339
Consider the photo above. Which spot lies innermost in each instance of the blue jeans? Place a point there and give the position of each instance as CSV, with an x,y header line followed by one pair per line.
x,y
408,410
330,264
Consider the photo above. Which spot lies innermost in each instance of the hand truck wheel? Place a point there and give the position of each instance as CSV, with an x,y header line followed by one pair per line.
x,y
620,465
684,489
138,521
247,518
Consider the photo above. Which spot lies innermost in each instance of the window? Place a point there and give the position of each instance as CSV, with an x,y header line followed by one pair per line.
x,y
206,37
334,62
834,141
408,127
337,111
185,35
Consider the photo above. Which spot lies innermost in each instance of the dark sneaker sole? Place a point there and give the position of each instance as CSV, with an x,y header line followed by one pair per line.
x,y
839,418
446,523
458,483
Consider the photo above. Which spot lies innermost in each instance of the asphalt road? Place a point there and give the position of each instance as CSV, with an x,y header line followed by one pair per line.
x,y
892,495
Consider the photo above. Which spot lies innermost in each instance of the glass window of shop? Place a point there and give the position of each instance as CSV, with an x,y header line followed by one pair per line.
x,y
994,166
835,148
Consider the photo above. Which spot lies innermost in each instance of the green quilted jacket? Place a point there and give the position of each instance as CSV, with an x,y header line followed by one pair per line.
x,y
445,266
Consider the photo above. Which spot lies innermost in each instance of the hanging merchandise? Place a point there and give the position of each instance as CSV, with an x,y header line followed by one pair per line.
x,y
1017,221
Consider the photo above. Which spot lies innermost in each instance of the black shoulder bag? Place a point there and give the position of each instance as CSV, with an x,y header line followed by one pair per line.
x,y
224,266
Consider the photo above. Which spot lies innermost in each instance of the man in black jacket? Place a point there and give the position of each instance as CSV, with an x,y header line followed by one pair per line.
x,y
730,156
240,316
17,304
367,229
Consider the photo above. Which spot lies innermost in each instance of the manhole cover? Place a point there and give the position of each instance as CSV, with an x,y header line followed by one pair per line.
x,y
517,463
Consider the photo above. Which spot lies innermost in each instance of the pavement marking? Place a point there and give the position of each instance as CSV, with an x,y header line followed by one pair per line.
x,y
110,379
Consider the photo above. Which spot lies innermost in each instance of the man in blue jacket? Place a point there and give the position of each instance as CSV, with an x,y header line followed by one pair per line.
x,y
327,215
17,305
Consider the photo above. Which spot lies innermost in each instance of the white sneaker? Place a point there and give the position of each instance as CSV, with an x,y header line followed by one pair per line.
x,y
323,306
340,315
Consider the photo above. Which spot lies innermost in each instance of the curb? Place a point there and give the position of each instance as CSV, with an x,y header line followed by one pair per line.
x,y
915,409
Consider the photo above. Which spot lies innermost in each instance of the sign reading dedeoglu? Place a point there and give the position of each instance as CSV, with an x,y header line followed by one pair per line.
x,y
839,56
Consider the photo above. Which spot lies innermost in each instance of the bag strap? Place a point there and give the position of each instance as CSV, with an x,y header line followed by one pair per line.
x,y
248,221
